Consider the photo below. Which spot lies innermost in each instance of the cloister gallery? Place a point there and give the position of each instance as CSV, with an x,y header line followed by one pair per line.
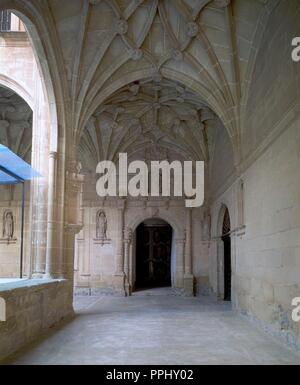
x,y
147,279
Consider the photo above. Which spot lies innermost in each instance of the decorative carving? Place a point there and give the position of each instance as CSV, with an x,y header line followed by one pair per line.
x,y
136,54
176,55
101,229
74,167
122,27
144,112
101,225
157,76
192,29
8,228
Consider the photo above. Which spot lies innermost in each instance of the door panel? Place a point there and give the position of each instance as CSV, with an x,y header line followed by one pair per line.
x,y
153,256
227,268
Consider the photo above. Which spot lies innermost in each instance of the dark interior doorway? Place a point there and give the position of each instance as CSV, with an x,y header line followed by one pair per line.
x,y
226,237
153,255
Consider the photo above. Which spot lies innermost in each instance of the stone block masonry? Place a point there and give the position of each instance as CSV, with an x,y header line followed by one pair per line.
x,y
32,307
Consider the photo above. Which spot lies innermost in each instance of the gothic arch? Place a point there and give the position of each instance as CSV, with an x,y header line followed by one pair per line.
x,y
176,231
40,42
136,221
15,86
42,36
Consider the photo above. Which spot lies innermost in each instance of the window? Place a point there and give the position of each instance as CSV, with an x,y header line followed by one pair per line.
x,y
5,21
9,22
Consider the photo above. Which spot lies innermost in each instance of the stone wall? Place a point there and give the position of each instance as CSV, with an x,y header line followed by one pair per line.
x,y
32,307
10,248
96,261
266,266
265,254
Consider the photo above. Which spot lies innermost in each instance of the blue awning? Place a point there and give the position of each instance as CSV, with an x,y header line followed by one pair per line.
x,y
13,169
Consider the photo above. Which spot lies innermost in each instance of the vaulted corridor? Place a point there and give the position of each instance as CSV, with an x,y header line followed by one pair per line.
x,y
156,327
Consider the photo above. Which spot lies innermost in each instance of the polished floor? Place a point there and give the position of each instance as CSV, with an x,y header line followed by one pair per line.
x,y
156,327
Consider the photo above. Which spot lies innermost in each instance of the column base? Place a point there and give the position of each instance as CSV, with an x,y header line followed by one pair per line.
x,y
119,283
179,280
37,276
189,285
128,289
53,276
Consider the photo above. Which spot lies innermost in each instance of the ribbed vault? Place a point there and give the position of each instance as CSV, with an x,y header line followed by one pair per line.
x,y
15,123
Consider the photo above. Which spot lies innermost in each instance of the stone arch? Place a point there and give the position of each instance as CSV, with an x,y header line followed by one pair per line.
x,y
52,119
177,245
136,221
222,211
11,210
19,89
27,13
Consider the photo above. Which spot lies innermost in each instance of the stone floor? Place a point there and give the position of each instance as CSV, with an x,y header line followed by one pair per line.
x,y
156,327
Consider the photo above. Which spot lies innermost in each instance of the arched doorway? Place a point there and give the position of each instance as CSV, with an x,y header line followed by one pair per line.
x,y
226,238
16,118
153,254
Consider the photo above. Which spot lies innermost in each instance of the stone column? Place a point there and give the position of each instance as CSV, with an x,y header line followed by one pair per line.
x,y
39,186
180,242
50,271
119,278
127,243
188,270
73,216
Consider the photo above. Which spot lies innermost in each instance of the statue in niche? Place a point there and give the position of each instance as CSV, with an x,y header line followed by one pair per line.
x,y
8,227
101,226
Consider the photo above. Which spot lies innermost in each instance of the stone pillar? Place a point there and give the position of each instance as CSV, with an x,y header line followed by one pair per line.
x,y
39,186
119,278
50,270
127,243
180,242
73,216
188,270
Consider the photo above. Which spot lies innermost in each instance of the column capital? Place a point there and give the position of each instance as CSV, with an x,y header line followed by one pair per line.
x,y
72,228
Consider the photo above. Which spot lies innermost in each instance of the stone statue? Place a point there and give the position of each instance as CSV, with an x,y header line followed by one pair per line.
x,y
101,225
8,225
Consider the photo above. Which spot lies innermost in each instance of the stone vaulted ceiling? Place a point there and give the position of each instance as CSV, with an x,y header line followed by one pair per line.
x,y
153,112
202,44
112,48
15,123
99,51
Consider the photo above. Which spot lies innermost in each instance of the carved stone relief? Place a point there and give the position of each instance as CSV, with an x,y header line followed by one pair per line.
x,y
8,228
101,228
